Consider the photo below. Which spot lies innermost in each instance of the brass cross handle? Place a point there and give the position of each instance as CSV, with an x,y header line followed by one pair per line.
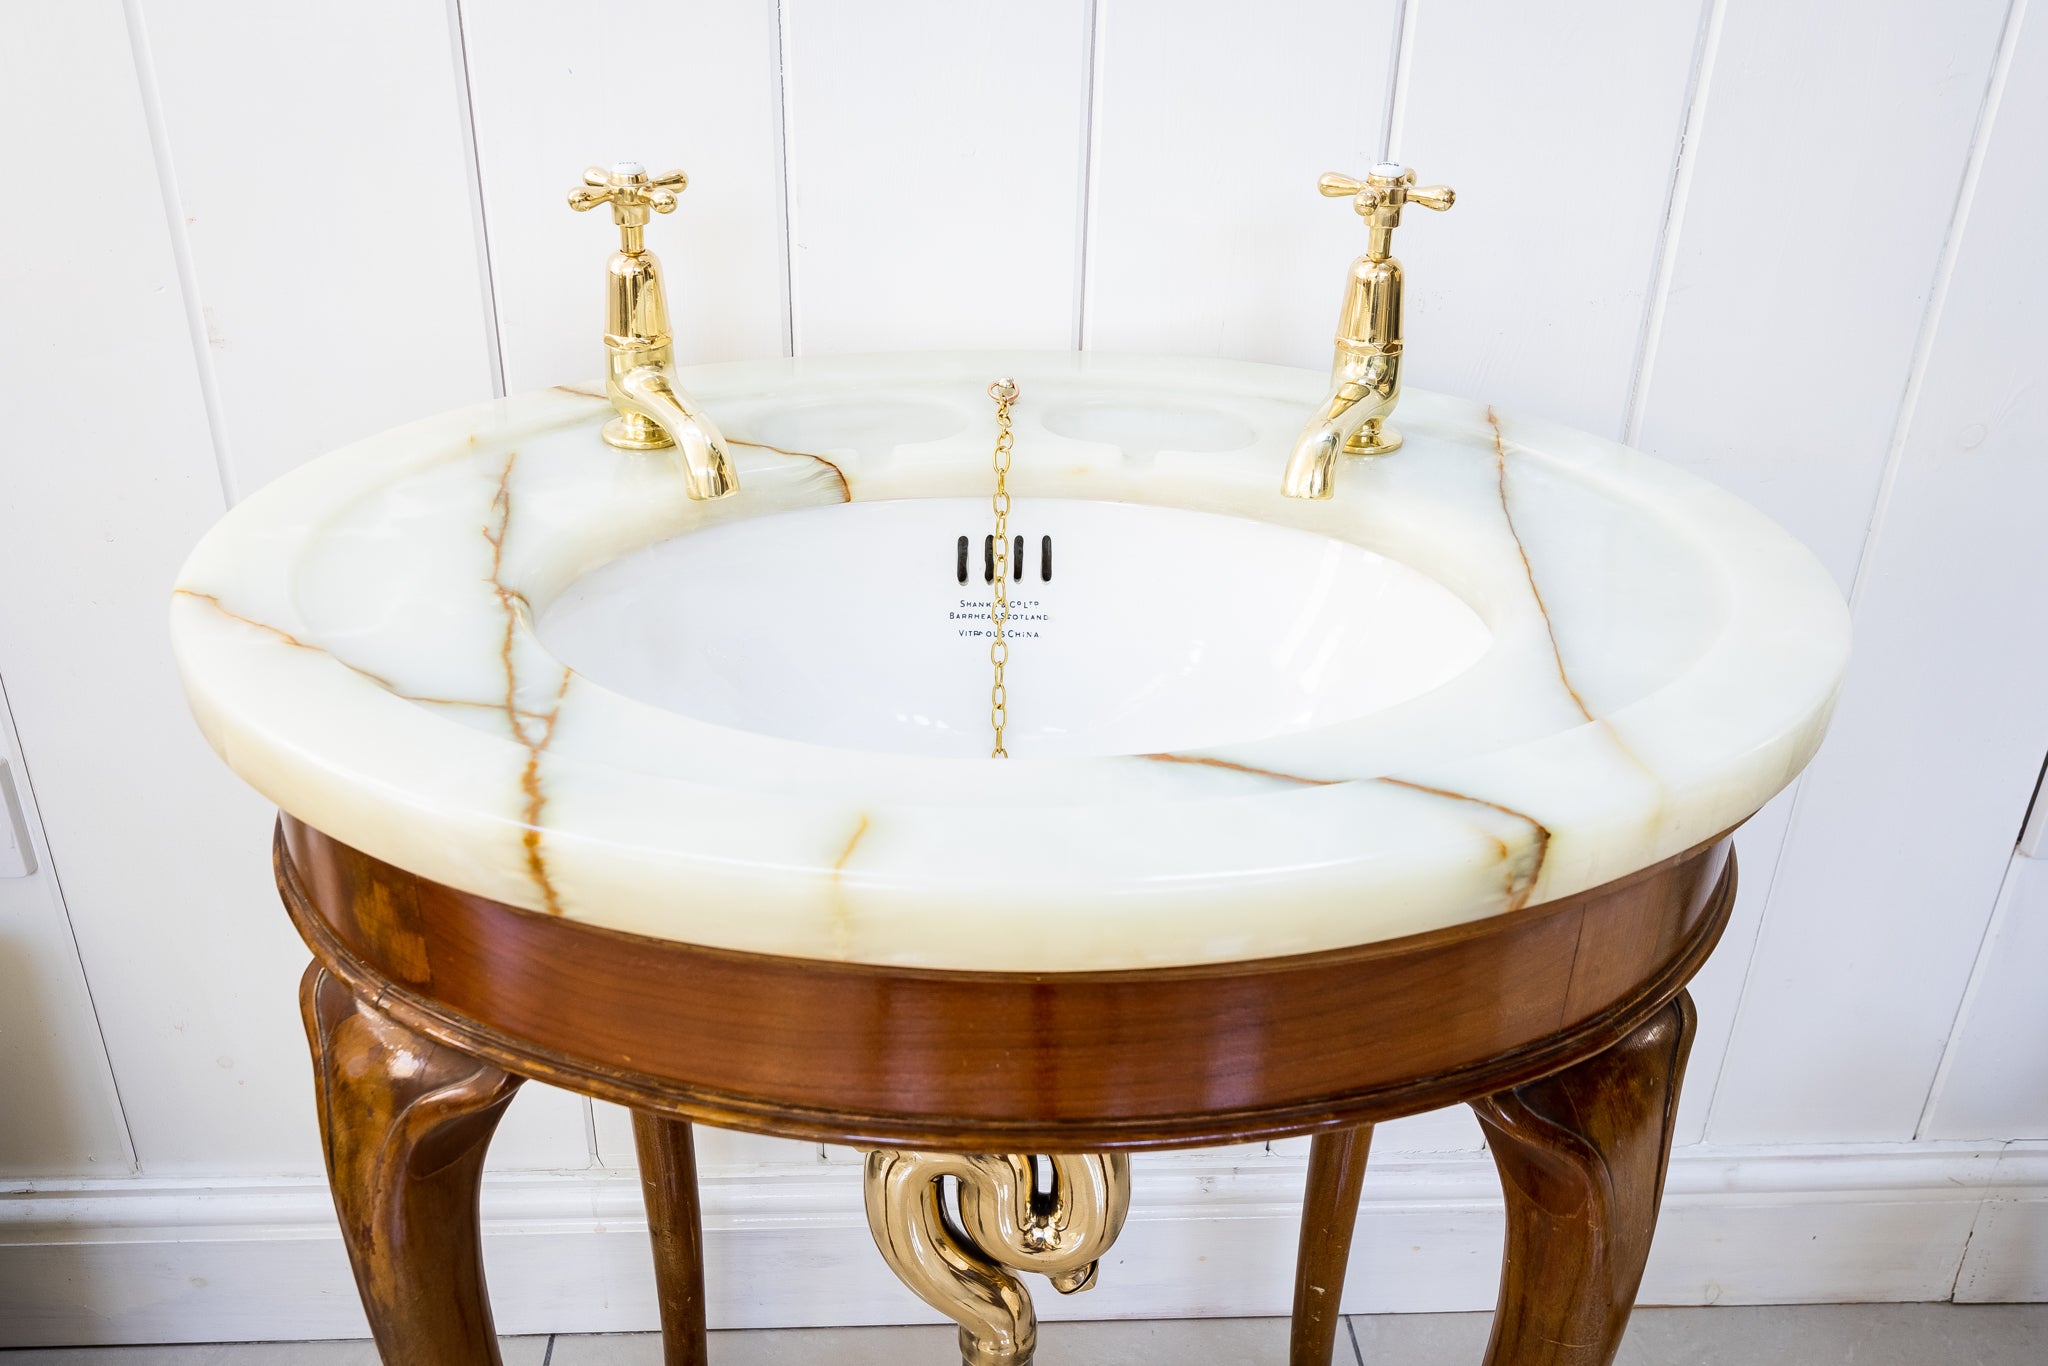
x,y
629,190
1388,187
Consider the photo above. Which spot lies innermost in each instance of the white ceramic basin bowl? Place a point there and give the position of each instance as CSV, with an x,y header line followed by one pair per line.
x,y
1132,629
1506,664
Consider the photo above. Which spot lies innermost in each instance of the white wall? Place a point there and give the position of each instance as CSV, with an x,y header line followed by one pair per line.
x,y
1789,244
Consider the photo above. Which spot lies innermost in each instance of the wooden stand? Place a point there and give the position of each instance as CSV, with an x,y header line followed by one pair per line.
x,y
1564,1025
406,1122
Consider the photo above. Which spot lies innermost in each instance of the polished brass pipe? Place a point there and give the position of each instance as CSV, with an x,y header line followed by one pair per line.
x,y
1008,1220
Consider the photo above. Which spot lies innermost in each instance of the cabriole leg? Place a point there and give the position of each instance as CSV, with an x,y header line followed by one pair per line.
x,y
405,1122
1582,1155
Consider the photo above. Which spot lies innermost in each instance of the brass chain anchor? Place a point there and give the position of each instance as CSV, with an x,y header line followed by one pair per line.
x,y
1004,392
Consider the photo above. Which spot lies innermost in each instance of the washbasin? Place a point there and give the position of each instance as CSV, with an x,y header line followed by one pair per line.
x,y
1133,629
1511,663
1000,763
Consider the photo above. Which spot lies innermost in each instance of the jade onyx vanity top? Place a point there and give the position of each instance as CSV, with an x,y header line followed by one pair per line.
x,y
1506,664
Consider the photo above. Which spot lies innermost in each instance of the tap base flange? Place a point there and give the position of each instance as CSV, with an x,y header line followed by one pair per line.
x,y
1374,438
632,432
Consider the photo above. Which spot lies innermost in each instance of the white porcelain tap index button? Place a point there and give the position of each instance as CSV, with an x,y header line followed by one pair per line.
x,y
624,169
1390,170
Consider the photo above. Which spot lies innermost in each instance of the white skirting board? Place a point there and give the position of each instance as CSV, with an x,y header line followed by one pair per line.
x,y
152,1260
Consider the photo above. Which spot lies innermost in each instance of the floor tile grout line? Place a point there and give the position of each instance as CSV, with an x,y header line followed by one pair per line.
x,y
1995,1328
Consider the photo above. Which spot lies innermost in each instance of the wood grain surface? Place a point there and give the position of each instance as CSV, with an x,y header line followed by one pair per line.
x,y
1582,1155
405,1121
668,1185
973,1061
1329,1213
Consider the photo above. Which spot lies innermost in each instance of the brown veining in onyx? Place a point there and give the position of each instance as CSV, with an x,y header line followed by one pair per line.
x,y
1500,466
842,920
1606,728
1518,889
526,713
583,391
845,489
213,601
533,730
380,680
853,840
536,796
1241,768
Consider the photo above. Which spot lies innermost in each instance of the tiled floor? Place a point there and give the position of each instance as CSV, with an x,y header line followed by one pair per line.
x,y
1804,1335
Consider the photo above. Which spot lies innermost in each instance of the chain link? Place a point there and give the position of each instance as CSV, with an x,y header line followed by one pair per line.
x,y
1004,392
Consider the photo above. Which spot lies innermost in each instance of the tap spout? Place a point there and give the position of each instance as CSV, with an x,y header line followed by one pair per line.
x,y
1365,386
655,411
640,360
1365,377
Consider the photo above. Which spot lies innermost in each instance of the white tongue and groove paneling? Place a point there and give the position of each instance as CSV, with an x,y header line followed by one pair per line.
x,y
59,1114
1558,125
935,154
1822,175
1750,379
2007,1256
1905,823
160,853
1717,989
334,212
323,177
555,88
1206,233
336,275
1994,1081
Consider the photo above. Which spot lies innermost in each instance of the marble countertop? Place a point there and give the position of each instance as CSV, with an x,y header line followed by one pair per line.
x,y
357,642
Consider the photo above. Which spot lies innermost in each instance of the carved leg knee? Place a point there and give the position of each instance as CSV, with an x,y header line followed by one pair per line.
x,y
405,1122
1582,1156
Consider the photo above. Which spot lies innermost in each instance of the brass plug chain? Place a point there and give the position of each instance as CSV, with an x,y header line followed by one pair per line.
x,y
1004,392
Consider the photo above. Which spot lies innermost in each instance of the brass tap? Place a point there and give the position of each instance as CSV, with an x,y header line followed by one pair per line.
x,y
640,374
1365,379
